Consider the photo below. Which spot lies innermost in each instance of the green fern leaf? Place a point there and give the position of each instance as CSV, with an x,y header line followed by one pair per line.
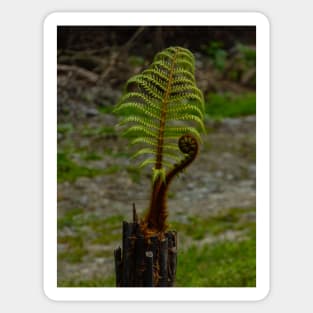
x,y
136,131
143,151
148,123
176,132
153,103
152,161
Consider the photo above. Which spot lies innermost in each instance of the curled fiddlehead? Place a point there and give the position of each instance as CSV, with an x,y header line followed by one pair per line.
x,y
155,220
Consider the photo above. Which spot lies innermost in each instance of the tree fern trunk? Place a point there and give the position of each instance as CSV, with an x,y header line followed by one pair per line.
x,y
145,261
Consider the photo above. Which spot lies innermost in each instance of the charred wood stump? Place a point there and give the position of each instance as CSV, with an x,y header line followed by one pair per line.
x,y
145,261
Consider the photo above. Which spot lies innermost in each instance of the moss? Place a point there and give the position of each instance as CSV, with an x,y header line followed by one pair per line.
x,y
91,156
68,170
75,249
105,238
198,228
97,282
69,218
98,131
74,255
84,230
106,109
220,264
134,173
114,220
135,60
65,128
171,195
111,169
106,230
116,154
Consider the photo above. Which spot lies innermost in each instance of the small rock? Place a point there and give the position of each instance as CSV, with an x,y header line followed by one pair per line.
x,y
99,260
249,216
84,271
84,200
91,112
183,219
60,136
219,174
62,247
252,170
229,177
82,182
191,186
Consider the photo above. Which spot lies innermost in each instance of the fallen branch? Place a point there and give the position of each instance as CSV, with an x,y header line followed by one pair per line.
x,y
78,71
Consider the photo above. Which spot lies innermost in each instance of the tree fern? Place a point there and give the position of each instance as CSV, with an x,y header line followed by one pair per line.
x,y
163,106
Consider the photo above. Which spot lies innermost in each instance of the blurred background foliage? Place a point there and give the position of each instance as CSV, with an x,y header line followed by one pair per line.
x,y
212,205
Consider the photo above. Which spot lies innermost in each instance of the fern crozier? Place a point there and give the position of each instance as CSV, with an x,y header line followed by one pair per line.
x,y
162,106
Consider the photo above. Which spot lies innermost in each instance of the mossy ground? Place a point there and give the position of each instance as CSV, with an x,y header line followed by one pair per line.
x,y
207,256
221,262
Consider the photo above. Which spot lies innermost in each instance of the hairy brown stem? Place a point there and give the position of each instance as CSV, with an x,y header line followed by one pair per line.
x,y
159,155
155,221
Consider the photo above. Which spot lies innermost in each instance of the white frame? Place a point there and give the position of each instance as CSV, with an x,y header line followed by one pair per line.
x,y
263,164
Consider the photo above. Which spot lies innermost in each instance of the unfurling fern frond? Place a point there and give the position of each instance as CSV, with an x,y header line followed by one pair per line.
x,y
163,105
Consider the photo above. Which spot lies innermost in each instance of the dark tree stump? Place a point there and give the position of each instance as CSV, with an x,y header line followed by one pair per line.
x,y
145,261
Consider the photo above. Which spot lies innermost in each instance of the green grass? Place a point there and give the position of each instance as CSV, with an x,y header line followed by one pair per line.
x,y
222,264
68,220
106,109
68,170
98,131
100,282
91,156
116,154
223,105
65,128
76,219
198,227
111,169
225,263
134,173
135,60
75,250
86,229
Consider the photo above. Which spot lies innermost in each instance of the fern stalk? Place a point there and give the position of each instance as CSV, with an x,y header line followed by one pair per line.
x,y
158,163
155,219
